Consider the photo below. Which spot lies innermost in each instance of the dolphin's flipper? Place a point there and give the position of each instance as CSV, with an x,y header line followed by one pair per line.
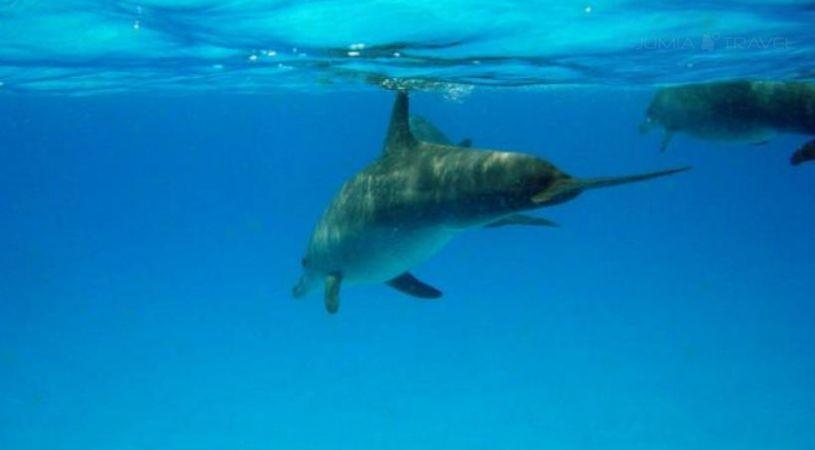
x,y
666,140
409,285
332,293
805,153
521,219
399,136
466,143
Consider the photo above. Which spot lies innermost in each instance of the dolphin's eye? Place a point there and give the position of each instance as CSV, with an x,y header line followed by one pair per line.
x,y
304,262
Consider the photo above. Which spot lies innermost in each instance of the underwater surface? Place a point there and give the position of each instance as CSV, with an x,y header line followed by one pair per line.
x,y
163,164
94,46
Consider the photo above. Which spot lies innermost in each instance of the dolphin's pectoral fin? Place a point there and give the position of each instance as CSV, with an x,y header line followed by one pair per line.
x,y
805,153
666,140
409,285
332,292
466,143
521,219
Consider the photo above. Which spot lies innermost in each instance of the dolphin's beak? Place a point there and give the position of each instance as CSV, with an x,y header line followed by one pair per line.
x,y
561,188
570,187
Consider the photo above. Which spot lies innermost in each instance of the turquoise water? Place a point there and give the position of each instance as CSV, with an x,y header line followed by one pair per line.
x,y
158,186
91,46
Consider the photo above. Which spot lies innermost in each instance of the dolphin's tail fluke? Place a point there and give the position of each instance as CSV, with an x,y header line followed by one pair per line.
x,y
569,188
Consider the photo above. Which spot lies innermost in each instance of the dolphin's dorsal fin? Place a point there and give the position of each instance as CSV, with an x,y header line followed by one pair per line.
x,y
399,136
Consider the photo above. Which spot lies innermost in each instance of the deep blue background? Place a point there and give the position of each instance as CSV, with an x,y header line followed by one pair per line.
x,y
148,246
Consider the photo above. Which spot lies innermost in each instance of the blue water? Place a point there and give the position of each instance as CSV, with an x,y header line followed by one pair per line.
x,y
158,188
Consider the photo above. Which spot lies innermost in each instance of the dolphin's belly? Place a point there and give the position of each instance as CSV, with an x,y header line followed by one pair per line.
x,y
722,127
376,253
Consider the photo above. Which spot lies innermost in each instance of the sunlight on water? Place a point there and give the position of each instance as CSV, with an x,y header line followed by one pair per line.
x,y
86,46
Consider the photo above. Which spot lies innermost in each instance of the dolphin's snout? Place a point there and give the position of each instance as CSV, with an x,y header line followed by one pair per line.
x,y
560,191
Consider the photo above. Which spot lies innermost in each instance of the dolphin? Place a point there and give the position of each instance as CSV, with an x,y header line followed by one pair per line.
x,y
404,207
424,130
804,153
736,111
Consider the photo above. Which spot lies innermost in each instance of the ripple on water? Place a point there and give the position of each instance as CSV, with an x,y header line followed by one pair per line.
x,y
245,45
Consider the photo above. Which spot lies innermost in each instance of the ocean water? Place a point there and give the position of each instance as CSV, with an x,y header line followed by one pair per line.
x,y
162,165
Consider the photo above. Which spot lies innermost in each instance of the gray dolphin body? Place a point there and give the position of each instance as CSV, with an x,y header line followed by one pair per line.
x,y
402,209
746,111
